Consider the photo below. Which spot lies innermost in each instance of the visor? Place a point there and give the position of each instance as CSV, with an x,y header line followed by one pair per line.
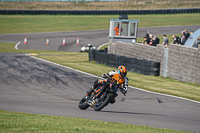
x,y
123,74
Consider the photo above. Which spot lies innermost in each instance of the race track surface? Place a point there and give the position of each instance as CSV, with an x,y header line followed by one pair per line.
x,y
94,37
34,86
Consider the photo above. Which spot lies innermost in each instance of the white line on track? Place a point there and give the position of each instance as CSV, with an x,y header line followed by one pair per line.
x,y
100,77
17,45
101,45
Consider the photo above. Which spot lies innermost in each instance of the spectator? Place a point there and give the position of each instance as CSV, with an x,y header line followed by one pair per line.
x,y
150,39
176,39
145,41
150,36
191,32
186,34
156,40
165,40
183,38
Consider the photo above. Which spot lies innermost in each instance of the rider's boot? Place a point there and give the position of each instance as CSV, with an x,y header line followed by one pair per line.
x,y
89,92
113,101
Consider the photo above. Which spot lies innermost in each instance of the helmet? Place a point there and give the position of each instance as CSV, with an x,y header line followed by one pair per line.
x,y
89,45
122,71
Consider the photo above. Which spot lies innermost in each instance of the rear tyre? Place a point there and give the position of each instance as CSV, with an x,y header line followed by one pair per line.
x,y
103,103
83,105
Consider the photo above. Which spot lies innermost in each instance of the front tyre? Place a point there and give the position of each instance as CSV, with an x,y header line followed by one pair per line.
x,y
103,103
83,105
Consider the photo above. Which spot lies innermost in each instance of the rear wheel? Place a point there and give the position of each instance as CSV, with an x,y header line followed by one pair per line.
x,y
104,102
83,105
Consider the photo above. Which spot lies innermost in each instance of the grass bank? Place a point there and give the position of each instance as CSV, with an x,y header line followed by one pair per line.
x,y
51,23
12,122
99,5
80,61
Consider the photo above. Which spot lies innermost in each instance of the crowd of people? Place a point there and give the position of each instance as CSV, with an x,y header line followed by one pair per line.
x,y
153,40
181,40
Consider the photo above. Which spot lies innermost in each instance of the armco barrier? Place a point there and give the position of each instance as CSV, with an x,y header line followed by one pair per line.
x,y
132,64
100,12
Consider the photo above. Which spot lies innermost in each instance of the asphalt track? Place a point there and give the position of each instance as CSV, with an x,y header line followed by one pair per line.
x,y
31,85
94,37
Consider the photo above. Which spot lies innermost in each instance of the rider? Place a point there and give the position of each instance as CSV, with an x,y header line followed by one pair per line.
x,y
119,76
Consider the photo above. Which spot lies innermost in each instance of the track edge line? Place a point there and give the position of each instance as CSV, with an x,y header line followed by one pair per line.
x,y
101,77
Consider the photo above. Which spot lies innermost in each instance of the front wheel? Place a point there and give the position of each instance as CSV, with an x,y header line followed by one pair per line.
x,y
100,105
83,105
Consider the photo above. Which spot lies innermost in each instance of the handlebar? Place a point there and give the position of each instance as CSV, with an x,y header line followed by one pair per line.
x,y
110,80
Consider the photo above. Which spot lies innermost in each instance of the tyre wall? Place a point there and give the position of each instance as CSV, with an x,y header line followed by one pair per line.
x,y
183,62
100,12
139,51
132,64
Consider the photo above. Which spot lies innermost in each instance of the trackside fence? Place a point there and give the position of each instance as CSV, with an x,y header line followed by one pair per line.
x,y
135,65
176,61
100,12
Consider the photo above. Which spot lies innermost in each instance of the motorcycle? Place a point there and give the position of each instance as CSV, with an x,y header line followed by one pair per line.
x,y
101,96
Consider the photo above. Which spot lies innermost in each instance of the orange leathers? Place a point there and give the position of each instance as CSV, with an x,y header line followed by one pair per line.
x,y
115,77
118,79
116,29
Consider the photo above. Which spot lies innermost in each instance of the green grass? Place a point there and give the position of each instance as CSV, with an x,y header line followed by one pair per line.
x,y
80,61
51,23
20,122
12,122
99,5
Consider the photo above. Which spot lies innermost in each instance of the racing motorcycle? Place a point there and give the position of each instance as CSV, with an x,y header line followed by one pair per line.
x,y
101,96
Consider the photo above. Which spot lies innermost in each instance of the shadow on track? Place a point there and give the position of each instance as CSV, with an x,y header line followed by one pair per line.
x,y
132,113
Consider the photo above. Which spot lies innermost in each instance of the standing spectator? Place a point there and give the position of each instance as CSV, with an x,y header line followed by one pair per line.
x,y
186,34
150,39
165,40
156,40
176,39
191,32
183,38
145,41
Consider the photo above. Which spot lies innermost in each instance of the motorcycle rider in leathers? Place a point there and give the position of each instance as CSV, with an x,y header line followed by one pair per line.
x,y
119,76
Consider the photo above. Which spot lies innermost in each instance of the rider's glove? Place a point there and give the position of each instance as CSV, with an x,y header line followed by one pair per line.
x,y
105,75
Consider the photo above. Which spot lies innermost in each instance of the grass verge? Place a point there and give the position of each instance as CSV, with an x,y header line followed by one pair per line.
x,y
12,122
51,23
80,61
99,5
